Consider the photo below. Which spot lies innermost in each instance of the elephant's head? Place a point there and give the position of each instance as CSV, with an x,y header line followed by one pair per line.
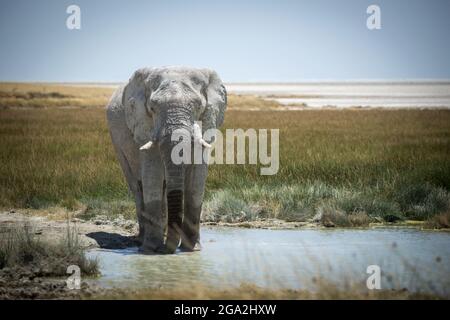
x,y
159,101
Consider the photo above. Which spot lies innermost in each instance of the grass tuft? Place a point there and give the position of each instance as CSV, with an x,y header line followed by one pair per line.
x,y
225,207
440,221
330,216
20,247
422,201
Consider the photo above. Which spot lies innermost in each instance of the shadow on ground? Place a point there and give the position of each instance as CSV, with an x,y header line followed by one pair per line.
x,y
108,240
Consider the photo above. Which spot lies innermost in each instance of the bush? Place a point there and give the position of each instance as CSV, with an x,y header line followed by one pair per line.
x,y
351,207
421,201
330,216
225,207
371,205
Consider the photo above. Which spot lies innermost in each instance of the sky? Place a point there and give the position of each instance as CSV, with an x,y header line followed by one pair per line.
x,y
244,40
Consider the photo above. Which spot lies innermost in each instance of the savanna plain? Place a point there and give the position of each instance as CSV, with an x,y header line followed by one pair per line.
x,y
355,168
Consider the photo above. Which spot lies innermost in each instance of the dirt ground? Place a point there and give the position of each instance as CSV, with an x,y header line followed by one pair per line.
x,y
91,234
35,283
102,232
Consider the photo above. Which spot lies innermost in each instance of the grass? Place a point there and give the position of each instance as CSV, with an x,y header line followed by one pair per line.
x,y
251,292
249,102
23,95
355,165
20,247
439,221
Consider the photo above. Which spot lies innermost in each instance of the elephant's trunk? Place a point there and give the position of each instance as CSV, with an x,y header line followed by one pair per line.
x,y
174,192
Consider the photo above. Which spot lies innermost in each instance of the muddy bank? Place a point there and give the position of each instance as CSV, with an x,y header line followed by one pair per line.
x,y
34,283
100,233
116,233
40,280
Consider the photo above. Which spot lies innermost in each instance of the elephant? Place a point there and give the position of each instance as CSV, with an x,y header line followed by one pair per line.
x,y
142,115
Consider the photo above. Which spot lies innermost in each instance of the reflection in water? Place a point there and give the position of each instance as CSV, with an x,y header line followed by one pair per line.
x,y
412,259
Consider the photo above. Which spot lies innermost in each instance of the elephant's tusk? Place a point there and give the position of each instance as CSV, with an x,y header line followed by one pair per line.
x,y
197,132
146,146
204,143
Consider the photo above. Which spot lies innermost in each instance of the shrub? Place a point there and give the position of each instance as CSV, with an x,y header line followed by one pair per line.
x,y
330,216
421,201
226,207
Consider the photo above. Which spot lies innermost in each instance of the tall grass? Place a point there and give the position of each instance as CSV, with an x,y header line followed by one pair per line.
x,y
325,291
392,164
385,164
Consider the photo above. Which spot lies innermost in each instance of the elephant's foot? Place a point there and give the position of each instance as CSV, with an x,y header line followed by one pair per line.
x,y
151,251
171,246
160,250
189,247
155,247
173,238
152,245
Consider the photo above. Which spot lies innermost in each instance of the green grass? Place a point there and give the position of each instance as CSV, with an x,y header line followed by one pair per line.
x,y
383,164
390,164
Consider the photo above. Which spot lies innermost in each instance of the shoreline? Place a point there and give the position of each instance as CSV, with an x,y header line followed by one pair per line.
x,y
103,232
34,282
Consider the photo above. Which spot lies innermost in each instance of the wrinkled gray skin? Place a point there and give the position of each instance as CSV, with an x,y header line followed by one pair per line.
x,y
154,103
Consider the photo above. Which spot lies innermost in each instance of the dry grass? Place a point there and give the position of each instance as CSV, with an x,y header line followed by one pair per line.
x,y
392,164
439,221
333,217
247,102
23,95
324,291
386,163
56,156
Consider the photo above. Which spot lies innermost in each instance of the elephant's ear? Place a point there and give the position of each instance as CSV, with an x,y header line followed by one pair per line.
x,y
216,102
134,99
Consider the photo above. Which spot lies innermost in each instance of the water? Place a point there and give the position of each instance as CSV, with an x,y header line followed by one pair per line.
x,y
408,258
353,94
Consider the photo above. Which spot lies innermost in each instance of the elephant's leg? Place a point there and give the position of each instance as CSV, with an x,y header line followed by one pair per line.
x,y
153,213
194,190
139,199
129,162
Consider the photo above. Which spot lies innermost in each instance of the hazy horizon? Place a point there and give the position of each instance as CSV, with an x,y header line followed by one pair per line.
x,y
306,81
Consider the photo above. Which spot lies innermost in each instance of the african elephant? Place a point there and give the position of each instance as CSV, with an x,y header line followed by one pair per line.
x,y
142,115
